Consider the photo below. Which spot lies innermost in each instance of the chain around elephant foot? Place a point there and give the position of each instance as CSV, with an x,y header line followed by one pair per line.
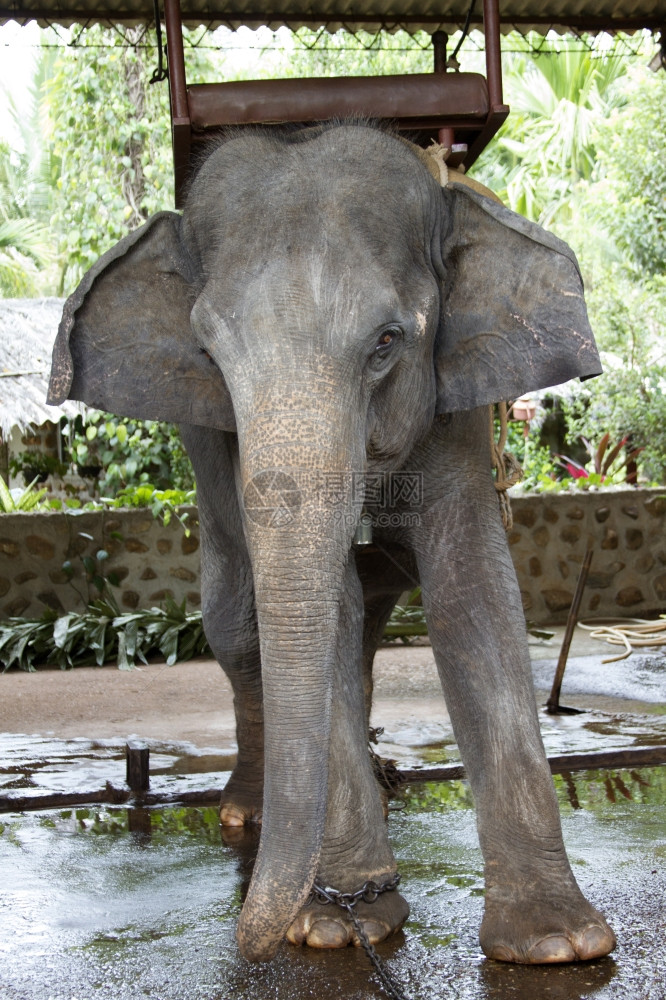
x,y
377,907
368,917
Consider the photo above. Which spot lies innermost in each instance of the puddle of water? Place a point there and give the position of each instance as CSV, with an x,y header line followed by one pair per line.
x,y
640,677
120,904
30,764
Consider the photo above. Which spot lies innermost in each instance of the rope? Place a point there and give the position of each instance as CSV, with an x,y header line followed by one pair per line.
x,y
507,468
161,73
627,632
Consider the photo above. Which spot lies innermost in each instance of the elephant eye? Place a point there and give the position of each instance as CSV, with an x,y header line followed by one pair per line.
x,y
386,341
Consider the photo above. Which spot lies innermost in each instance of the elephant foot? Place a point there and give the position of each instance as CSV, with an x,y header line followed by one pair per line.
x,y
544,928
241,803
329,926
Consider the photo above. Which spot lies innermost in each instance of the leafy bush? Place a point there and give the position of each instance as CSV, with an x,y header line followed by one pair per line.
x,y
36,465
101,635
163,504
130,452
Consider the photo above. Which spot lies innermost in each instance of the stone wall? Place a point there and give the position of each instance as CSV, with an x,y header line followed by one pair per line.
x,y
628,573
45,560
43,556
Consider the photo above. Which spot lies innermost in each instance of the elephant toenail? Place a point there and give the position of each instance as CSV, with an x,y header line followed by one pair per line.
x,y
552,949
501,953
594,942
375,932
328,934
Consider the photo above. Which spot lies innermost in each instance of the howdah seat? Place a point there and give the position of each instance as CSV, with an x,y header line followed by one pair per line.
x,y
460,110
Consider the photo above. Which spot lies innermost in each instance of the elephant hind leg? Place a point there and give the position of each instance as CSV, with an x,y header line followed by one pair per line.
x,y
229,614
242,797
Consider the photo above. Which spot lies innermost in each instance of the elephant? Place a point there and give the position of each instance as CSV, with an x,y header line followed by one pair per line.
x,y
329,325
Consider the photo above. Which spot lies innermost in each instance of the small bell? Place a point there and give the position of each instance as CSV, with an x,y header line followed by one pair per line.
x,y
363,534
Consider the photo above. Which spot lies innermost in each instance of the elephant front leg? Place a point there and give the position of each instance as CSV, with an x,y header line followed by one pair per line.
x,y
534,910
355,847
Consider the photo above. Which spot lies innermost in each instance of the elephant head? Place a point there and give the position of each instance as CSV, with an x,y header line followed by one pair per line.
x,y
323,298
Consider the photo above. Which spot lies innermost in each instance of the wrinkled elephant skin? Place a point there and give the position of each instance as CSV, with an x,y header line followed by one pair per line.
x,y
328,326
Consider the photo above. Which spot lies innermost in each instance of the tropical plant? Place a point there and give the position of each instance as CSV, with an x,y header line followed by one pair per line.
x,y
26,240
630,200
25,500
102,634
546,146
24,250
36,465
164,504
609,463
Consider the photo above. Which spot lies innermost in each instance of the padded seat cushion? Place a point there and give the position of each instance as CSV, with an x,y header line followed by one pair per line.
x,y
419,96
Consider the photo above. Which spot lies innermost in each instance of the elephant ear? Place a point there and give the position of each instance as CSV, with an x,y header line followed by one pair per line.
x,y
125,344
513,313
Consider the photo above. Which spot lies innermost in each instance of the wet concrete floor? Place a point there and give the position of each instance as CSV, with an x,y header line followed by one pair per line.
x,y
118,904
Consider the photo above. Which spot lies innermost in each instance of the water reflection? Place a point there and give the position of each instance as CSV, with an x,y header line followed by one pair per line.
x,y
595,791
564,982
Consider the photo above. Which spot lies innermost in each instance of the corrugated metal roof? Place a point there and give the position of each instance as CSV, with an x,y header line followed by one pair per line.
x,y
27,330
449,15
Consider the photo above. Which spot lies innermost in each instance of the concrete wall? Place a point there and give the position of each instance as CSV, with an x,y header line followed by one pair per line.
x,y
547,542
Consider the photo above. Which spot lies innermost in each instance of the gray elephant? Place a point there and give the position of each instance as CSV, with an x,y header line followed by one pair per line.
x,y
327,323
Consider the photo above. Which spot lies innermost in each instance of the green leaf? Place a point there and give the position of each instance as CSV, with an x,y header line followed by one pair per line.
x,y
60,630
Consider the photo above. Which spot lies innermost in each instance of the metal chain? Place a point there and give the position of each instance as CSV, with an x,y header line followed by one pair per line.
x,y
347,901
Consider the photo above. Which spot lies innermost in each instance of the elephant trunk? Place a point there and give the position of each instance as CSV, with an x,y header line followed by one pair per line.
x,y
297,477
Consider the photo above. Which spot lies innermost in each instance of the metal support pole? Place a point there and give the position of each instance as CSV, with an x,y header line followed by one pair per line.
x,y
440,40
491,24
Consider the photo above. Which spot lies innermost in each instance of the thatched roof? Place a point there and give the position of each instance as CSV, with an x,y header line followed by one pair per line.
x,y
27,331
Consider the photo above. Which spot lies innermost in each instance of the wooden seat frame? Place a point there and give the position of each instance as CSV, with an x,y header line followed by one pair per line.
x,y
460,110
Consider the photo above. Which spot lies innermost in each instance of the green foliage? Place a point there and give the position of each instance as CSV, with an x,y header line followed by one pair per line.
x,y
112,162
130,452
630,200
26,240
102,635
23,251
29,499
547,145
36,465
407,621
163,504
